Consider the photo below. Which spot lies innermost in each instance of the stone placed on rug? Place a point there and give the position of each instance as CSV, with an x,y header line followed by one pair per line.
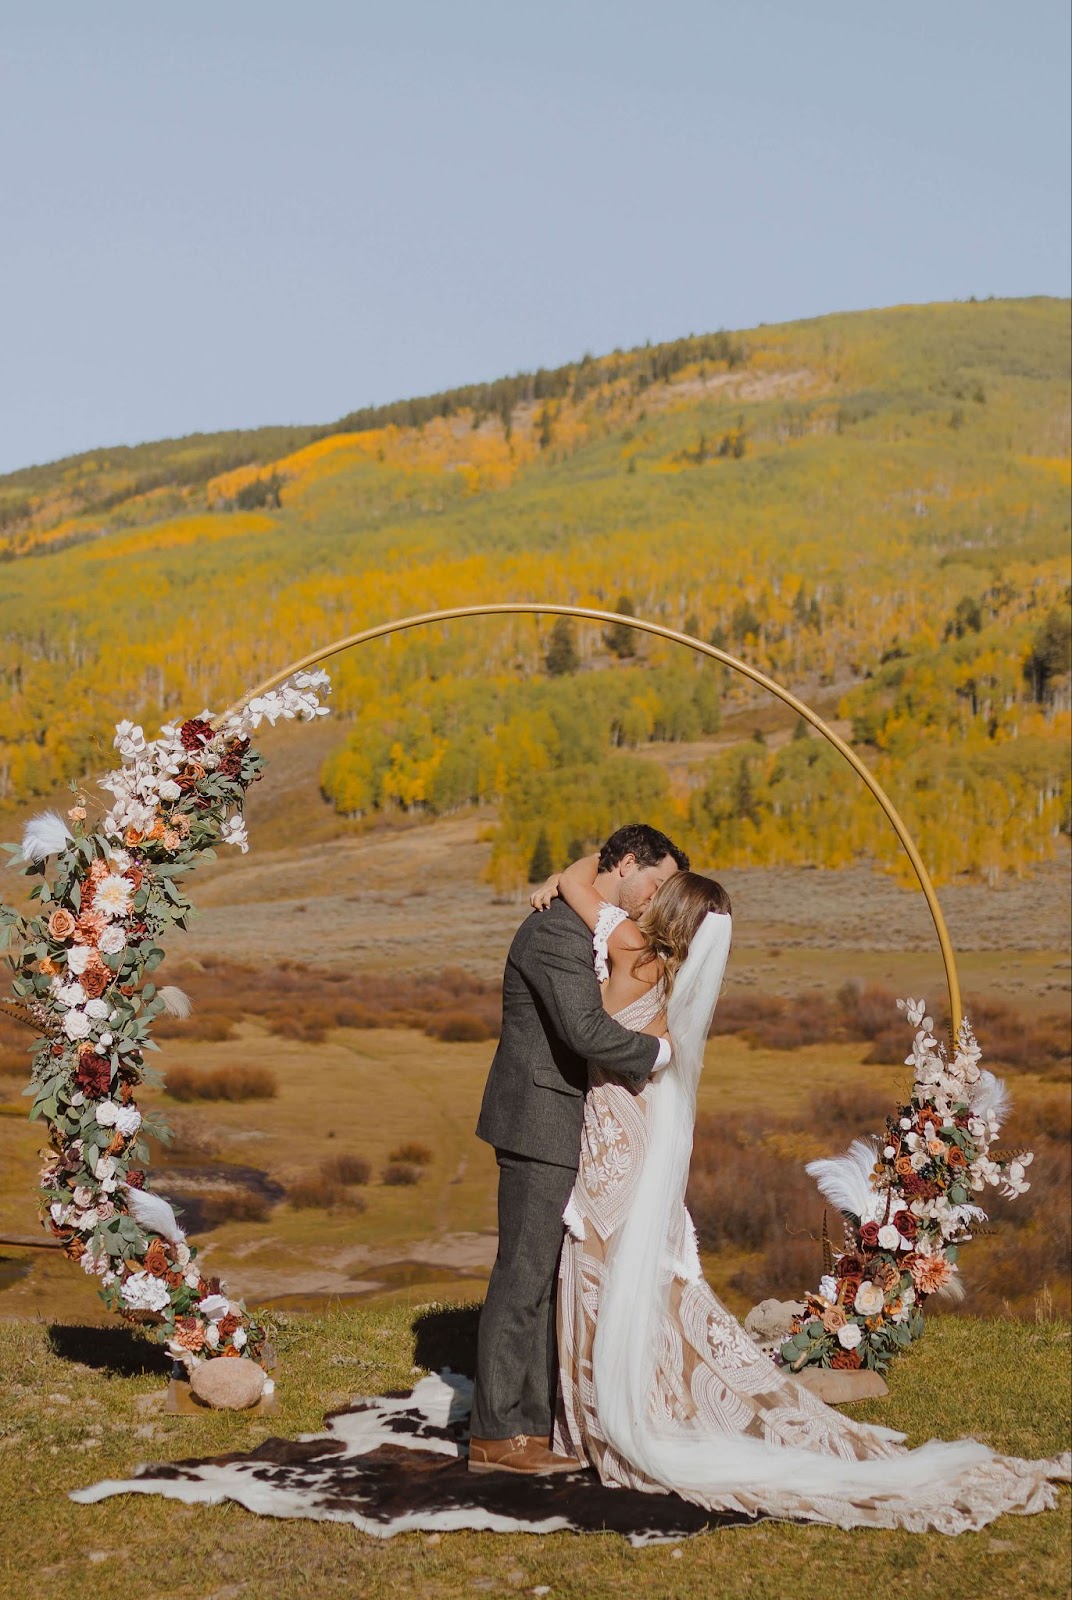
x,y
838,1388
771,1322
227,1384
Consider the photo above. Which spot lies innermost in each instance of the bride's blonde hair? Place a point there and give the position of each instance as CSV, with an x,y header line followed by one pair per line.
x,y
670,921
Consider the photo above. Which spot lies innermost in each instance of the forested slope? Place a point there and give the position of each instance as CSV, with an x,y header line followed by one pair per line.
x,y
872,508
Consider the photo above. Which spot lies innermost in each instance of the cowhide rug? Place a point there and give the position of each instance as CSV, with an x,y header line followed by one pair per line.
x,y
397,1464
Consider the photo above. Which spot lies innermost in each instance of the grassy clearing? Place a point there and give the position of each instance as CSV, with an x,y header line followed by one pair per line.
x,y
78,1407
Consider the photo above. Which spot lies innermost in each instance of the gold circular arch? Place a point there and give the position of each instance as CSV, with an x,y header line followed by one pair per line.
x,y
531,608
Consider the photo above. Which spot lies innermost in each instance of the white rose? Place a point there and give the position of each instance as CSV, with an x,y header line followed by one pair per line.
x,y
78,959
889,1152
169,790
76,1025
888,1237
104,1168
828,1288
112,940
82,1196
908,1296
214,1306
212,1335
869,1300
127,1121
59,1213
97,1009
238,1338
87,1220
850,1335
70,994
107,1113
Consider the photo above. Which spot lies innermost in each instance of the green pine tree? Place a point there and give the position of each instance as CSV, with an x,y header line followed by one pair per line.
x,y
561,657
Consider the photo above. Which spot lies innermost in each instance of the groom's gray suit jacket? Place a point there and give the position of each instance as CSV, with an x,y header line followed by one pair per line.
x,y
553,1028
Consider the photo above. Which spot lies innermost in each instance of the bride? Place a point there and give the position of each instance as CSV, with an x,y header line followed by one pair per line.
x,y
660,1388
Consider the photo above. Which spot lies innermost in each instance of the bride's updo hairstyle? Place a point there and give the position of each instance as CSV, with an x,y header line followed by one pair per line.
x,y
673,915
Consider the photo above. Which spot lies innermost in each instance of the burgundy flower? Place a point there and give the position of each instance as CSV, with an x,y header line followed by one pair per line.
x,y
195,732
869,1234
93,1075
906,1224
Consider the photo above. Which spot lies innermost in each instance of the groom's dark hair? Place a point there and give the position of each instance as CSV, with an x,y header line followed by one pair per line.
x,y
648,845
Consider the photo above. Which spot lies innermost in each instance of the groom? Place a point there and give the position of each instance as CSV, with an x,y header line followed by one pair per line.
x,y
553,1026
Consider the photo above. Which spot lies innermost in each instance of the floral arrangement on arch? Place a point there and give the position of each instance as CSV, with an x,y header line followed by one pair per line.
x,y
110,890
909,1204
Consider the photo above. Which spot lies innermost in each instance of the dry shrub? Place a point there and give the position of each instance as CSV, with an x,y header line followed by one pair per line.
x,y
346,1169
233,1205
847,1113
741,1193
414,1155
192,1137
460,1027
303,1002
213,1025
400,1174
233,1082
320,1192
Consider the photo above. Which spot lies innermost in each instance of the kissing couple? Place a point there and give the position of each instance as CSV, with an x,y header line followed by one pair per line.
x,y
601,1346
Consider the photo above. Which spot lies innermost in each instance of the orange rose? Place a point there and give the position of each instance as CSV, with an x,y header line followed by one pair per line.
x,y
834,1318
956,1157
61,924
47,967
131,838
229,1324
157,830
846,1360
74,1250
903,1166
156,1259
95,979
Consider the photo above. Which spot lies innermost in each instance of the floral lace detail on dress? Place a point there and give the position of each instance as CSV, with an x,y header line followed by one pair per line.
x,y
606,922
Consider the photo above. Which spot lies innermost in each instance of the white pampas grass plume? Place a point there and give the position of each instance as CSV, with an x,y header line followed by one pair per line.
x,y
990,1097
846,1180
154,1215
45,835
952,1289
176,1002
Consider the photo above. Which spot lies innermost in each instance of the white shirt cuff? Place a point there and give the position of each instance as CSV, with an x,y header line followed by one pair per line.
x,y
663,1058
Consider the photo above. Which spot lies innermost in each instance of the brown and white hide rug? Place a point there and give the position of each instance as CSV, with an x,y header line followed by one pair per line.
x,y
397,1464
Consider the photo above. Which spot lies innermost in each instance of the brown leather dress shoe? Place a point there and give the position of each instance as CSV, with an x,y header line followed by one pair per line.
x,y
522,1454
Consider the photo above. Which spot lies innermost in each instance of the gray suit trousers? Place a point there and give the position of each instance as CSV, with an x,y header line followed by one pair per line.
x,y
515,1388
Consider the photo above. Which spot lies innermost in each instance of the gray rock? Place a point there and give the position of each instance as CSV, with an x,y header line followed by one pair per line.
x,y
772,1320
228,1383
839,1387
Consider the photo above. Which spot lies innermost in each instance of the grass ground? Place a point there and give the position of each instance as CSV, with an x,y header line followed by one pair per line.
x,y
82,1404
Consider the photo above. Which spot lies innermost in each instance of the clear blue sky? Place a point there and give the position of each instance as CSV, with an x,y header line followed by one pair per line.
x,y
223,214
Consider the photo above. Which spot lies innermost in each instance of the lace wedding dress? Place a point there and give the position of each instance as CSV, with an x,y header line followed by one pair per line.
x,y
661,1389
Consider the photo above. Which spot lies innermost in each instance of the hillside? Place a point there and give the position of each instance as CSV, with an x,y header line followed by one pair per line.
x,y
873,508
